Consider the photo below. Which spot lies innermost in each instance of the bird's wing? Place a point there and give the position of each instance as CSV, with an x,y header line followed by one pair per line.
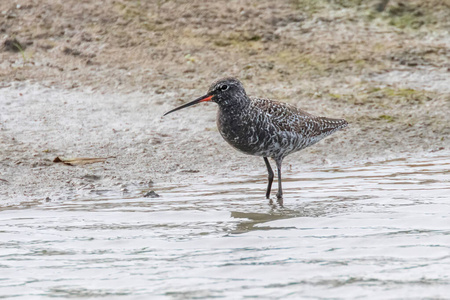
x,y
289,118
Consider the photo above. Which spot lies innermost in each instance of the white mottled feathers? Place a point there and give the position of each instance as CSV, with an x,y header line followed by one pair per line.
x,y
274,129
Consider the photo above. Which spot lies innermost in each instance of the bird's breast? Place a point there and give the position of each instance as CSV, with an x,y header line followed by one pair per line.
x,y
246,132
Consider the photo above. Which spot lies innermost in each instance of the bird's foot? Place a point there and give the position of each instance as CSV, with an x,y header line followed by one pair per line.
x,y
280,199
279,202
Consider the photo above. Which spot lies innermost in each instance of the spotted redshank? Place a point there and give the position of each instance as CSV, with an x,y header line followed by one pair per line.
x,y
264,127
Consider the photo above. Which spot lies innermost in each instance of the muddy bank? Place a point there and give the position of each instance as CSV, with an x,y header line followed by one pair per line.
x,y
98,87
141,147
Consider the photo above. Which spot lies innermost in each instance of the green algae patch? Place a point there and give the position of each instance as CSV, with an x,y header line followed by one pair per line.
x,y
386,118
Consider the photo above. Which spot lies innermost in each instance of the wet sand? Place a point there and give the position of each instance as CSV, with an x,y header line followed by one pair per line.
x,y
142,148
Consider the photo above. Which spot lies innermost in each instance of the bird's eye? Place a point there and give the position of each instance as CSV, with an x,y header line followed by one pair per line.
x,y
224,87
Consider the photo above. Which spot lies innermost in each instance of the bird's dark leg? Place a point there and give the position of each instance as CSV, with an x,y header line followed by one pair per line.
x,y
269,170
280,189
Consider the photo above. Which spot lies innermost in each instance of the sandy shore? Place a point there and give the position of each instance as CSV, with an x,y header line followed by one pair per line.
x,y
39,124
91,90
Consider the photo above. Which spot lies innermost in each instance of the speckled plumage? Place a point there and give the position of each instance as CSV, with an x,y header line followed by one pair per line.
x,y
273,129
264,127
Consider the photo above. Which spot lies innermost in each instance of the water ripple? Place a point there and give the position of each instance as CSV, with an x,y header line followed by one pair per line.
x,y
375,229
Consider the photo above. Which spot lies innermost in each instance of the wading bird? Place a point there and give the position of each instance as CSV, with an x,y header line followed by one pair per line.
x,y
264,127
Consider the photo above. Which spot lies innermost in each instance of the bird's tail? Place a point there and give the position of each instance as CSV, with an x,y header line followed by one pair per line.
x,y
331,125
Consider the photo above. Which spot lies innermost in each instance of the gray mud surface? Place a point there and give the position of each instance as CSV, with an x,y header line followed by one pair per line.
x,y
93,80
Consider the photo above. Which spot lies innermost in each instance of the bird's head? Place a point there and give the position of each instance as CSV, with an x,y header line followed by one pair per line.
x,y
226,92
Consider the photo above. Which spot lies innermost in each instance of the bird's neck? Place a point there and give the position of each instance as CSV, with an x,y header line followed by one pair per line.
x,y
235,106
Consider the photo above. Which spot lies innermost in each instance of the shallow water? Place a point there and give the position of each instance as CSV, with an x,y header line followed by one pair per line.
x,y
378,230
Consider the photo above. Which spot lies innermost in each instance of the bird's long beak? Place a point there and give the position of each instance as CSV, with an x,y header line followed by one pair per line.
x,y
205,98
